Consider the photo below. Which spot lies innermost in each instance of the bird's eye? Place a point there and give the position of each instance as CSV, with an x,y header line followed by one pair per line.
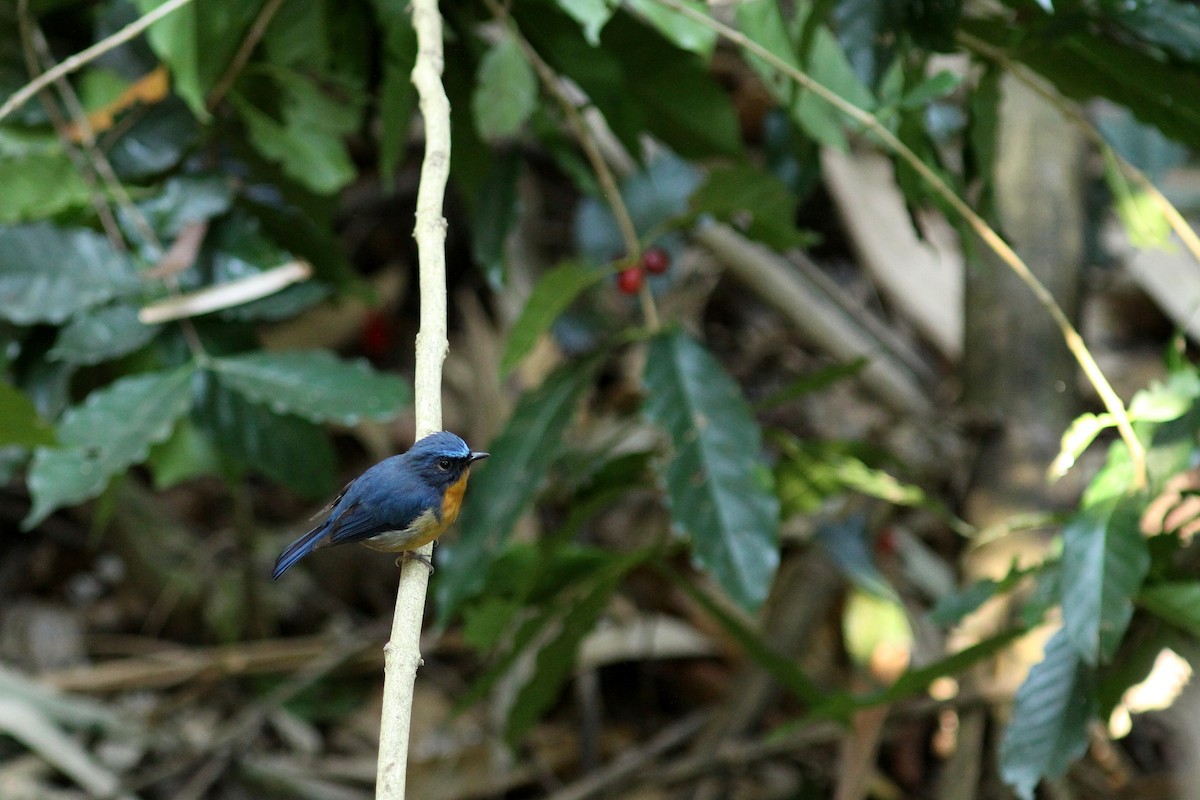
x,y
443,464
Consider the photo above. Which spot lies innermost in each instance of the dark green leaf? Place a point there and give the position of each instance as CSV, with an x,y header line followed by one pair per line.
x,y
313,384
101,334
716,482
197,42
552,294
20,423
307,139
845,542
156,141
1176,602
932,88
186,199
397,95
186,454
39,185
505,91
494,214
1173,25
287,449
501,490
813,382
1104,561
754,201
866,29
680,29
48,273
592,15
1048,728
113,429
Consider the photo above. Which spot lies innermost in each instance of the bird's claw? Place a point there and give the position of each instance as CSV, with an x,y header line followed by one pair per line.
x,y
411,555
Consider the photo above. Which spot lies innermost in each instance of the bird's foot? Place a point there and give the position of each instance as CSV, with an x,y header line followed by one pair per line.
x,y
412,555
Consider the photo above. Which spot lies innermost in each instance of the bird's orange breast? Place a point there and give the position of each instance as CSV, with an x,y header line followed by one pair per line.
x,y
452,499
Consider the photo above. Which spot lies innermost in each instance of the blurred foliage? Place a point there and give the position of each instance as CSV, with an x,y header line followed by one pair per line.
x,y
254,145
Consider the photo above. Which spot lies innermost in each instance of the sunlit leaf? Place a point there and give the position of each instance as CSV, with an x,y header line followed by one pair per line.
x,y
313,384
39,185
590,14
717,485
1048,728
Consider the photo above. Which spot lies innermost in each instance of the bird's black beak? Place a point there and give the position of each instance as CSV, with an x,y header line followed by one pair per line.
x,y
477,457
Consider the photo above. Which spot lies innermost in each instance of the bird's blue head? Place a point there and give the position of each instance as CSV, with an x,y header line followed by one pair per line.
x,y
442,458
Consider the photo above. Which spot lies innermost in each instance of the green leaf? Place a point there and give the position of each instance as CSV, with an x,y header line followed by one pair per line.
x,y
39,185
505,92
845,542
754,201
1168,23
20,424
591,15
495,213
1145,223
552,294
1177,602
397,95
186,454
1076,438
930,89
681,30
287,449
716,482
313,384
1104,561
866,30
307,141
185,199
48,274
101,334
1048,728
157,140
197,42
113,429
525,450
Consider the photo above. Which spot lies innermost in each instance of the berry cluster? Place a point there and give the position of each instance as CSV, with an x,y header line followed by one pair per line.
x,y
655,260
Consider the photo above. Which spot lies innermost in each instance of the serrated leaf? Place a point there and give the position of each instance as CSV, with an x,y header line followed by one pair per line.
x,y
1105,559
1048,728
715,479
49,273
1177,602
101,334
20,424
292,451
39,185
505,91
679,29
590,14
111,430
501,489
313,384
552,294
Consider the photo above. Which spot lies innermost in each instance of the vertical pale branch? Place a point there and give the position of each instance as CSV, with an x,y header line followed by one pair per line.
x,y
402,655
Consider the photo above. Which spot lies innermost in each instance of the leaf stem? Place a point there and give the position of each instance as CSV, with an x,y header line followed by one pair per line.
x,y
993,240
591,149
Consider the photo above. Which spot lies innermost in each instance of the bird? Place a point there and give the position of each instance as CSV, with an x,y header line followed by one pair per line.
x,y
398,505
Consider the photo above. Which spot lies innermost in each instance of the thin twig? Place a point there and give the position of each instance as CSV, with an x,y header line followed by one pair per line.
x,y
591,150
1075,343
83,57
1022,73
402,654
242,56
30,36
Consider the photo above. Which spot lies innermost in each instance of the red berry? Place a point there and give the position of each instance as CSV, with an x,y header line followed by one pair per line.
x,y
656,260
629,281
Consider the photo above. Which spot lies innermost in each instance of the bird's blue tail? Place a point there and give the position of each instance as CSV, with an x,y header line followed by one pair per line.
x,y
297,550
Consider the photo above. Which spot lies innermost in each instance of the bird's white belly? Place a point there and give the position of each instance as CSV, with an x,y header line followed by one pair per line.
x,y
393,541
